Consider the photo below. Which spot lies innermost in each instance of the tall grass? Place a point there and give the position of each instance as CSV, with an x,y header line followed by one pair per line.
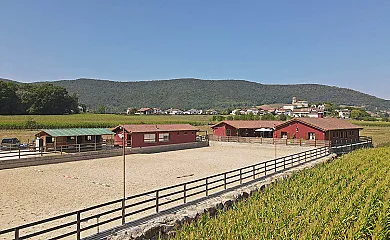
x,y
346,199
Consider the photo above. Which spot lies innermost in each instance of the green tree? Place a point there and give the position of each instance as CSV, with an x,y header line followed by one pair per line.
x,y
359,114
47,99
101,109
9,100
268,116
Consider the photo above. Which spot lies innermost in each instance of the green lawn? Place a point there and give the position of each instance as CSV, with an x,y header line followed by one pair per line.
x,y
346,199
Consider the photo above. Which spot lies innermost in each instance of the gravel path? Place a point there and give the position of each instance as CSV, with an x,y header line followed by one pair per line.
x,y
33,193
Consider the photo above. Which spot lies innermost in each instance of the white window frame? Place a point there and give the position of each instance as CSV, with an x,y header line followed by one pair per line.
x,y
149,137
163,137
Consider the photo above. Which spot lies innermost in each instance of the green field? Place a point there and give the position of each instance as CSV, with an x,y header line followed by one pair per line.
x,y
94,120
345,199
371,123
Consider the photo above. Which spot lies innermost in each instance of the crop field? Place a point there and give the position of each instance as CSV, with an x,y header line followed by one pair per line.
x,y
371,123
345,199
94,120
380,135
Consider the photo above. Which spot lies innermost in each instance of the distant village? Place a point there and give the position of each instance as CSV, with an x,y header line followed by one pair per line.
x,y
297,108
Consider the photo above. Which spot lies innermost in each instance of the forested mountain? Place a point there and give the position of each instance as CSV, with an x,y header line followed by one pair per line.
x,y
195,93
204,94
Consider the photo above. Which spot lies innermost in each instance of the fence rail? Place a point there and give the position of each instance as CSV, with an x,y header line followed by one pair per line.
x,y
90,221
279,141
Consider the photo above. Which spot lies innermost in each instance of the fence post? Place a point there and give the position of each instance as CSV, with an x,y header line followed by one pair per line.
x,y
78,226
16,233
224,180
275,165
185,193
95,146
79,147
284,163
254,172
157,201
265,169
207,186
61,150
19,152
123,211
240,176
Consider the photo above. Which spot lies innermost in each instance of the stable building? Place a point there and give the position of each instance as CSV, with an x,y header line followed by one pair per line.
x,y
147,135
335,130
242,128
54,139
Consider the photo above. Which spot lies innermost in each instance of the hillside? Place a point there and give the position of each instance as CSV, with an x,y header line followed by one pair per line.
x,y
204,94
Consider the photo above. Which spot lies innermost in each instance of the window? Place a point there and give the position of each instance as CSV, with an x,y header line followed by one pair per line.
x,y
70,139
150,137
284,135
163,137
49,140
312,136
185,133
228,132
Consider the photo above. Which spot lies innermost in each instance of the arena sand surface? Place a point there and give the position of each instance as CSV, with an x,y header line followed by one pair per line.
x,y
34,193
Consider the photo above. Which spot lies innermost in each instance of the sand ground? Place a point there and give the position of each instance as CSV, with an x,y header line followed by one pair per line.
x,y
34,193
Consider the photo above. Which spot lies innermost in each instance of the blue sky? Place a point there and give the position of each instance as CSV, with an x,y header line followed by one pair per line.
x,y
343,43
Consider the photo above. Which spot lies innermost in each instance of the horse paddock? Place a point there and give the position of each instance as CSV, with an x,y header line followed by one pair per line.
x,y
38,192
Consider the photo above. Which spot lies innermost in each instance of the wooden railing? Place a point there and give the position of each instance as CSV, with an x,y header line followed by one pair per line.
x,y
278,141
92,220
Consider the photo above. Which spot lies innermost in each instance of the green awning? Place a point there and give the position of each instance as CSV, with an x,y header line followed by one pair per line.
x,y
77,132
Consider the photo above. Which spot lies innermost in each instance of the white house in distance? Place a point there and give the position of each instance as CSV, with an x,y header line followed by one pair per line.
x,y
344,113
192,112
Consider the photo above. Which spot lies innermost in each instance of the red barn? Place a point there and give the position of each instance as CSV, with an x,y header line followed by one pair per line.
x,y
146,135
331,129
242,128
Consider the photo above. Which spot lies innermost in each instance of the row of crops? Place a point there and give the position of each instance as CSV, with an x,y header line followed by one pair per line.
x,y
346,199
93,120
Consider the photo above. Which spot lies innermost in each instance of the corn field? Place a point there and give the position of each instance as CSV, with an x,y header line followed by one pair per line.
x,y
348,198
94,120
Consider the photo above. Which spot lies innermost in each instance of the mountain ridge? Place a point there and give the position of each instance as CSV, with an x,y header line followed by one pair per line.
x,y
197,93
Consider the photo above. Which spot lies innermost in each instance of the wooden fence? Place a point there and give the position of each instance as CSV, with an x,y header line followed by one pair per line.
x,y
94,219
278,141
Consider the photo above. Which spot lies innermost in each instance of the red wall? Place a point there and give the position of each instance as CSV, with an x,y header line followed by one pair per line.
x,y
302,133
221,130
137,139
119,141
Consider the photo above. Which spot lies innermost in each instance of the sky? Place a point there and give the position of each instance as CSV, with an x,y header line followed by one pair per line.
x,y
340,43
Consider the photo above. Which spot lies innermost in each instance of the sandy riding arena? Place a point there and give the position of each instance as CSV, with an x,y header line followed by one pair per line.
x,y
33,193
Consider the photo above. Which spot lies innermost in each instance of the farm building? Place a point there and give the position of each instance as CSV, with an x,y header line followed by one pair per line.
x,y
55,138
243,128
330,129
146,135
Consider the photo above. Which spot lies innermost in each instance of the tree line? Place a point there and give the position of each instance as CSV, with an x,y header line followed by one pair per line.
x,y
42,99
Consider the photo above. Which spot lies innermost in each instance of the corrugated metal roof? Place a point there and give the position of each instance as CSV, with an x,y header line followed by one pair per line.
x,y
77,132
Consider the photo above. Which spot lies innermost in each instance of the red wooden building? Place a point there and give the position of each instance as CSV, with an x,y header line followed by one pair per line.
x,y
242,128
146,135
331,129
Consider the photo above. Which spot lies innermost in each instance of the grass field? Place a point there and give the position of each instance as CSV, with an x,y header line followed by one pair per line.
x,y
346,199
94,120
